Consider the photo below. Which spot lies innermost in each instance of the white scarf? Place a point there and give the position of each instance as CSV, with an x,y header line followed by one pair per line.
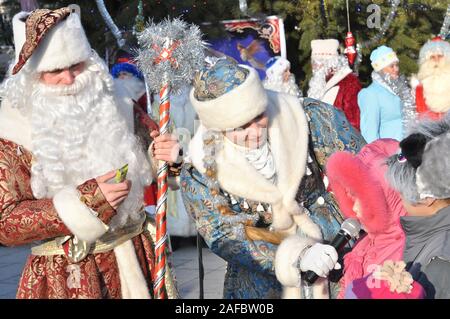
x,y
260,158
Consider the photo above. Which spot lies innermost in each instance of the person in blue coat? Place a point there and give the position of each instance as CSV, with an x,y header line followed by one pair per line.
x,y
381,103
254,174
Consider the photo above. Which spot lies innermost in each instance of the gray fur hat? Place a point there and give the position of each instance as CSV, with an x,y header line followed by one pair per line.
x,y
433,175
402,167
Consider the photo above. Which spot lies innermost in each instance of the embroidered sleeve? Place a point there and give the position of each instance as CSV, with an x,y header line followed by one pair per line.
x,y
92,196
227,241
330,131
23,219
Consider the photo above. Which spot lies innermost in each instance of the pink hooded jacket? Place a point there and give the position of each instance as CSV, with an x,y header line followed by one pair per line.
x,y
363,176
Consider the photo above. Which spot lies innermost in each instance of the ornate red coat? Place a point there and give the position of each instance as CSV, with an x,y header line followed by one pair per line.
x,y
25,219
342,92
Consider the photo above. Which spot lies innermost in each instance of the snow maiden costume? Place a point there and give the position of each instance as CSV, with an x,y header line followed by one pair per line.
x,y
246,201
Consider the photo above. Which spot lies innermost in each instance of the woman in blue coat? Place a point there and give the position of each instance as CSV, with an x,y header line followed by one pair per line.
x,y
382,102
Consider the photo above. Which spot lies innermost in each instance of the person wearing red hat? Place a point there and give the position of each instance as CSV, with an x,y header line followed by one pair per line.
x,y
62,141
432,83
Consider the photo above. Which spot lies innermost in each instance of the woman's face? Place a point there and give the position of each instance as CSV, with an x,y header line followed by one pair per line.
x,y
393,70
251,135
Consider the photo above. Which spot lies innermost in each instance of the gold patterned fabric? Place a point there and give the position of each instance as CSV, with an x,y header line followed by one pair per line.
x,y
37,25
25,219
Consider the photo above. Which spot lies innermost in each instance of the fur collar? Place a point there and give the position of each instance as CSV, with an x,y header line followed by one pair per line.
x,y
338,77
288,137
14,126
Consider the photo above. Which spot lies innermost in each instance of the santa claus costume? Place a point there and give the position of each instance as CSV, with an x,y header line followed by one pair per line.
x,y
54,141
333,81
432,83
279,78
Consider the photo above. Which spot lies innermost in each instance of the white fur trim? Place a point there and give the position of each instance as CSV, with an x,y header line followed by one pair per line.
x,y
323,49
288,137
235,108
65,45
19,32
332,87
287,272
384,61
132,281
14,126
80,220
286,259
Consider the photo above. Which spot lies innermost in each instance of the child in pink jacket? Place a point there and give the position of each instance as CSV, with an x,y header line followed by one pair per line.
x,y
359,184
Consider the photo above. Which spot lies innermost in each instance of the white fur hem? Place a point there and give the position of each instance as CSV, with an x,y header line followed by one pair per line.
x,y
80,220
132,281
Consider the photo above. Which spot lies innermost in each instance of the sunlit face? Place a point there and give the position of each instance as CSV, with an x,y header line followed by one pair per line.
x,y
393,70
436,59
251,135
286,74
62,76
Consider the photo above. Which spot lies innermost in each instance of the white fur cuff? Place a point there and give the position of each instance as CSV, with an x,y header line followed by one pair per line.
x,y
80,220
286,259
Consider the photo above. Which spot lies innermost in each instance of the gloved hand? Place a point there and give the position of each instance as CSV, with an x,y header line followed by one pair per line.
x,y
321,259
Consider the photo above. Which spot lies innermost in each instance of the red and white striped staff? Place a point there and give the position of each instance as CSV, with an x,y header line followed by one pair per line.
x,y
173,50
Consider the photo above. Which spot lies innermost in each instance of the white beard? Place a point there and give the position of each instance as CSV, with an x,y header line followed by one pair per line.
x,y
276,84
133,86
435,79
78,134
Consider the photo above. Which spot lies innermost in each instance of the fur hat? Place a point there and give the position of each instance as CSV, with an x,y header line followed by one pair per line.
x,y
54,39
126,63
403,166
433,46
433,175
228,95
324,49
363,176
276,66
382,57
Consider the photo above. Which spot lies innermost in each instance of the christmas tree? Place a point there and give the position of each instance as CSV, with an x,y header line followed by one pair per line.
x,y
413,23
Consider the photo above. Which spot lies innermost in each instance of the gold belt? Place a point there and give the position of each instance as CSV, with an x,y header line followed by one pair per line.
x,y
106,243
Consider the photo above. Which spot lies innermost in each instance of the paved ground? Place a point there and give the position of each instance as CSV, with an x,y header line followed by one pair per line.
x,y
184,259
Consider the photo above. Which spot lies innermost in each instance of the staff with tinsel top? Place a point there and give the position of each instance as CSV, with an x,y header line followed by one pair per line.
x,y
171,50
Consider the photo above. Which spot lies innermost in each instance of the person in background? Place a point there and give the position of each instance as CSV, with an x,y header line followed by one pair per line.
x,y
420,173
381,103
432,83
279,77
333,81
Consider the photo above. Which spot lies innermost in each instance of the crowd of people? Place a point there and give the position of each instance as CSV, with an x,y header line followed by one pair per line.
x,y
265,175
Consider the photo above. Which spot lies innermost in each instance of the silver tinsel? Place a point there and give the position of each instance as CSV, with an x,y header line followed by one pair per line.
x,y
400,88
445,25
373,41
170,51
